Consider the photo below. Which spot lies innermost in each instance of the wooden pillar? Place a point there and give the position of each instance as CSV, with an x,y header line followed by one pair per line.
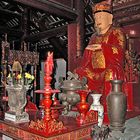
x,y
25,22
4,63
80,27
76,34
72,42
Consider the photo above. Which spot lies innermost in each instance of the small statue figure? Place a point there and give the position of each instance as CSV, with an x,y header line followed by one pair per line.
x,y
49,64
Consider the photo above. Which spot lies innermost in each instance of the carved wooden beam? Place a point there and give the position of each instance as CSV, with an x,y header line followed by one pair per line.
x,y
127,10
50,7
25,22
47,34
127,14
129,20
123,4
9,13
14,32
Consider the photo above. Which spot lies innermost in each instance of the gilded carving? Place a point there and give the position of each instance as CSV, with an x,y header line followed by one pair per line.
x,y
83,132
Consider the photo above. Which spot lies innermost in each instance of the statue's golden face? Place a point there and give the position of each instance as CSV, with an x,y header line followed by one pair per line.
x,y
103,20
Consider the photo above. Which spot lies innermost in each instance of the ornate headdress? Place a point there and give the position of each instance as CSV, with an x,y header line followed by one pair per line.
x,y
104,6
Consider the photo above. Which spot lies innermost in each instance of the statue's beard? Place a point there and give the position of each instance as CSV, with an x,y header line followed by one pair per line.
x,y
98,30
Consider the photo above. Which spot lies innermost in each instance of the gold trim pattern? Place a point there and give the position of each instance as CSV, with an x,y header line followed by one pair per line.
x,y
89,73
120,36
98,60
92,75
115,50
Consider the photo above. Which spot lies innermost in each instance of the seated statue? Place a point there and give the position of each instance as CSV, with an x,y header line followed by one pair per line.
x,y
103,58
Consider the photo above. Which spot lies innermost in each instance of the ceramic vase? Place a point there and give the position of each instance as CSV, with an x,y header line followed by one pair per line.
x,y
96,106
82,106
116,106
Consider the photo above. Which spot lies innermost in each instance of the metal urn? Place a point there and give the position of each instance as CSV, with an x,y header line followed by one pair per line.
x,y
16,95
16,102
69,97
116,106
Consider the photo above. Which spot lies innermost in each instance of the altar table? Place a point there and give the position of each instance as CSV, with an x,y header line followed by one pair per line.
x,y
22,131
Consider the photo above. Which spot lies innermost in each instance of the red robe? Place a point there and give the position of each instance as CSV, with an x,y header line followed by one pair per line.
x,y
106,63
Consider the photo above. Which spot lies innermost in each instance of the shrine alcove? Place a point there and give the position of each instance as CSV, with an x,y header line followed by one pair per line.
x,y
32,30
62,27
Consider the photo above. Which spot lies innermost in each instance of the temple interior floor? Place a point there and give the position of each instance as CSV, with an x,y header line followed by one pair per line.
x,y
131,132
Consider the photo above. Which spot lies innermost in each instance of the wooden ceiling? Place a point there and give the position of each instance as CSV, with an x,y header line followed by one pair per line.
x,y
43,23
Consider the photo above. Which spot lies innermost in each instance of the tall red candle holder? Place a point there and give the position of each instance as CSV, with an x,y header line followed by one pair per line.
x,y
83,106
47,124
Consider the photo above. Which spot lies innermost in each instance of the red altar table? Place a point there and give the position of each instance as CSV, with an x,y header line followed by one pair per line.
x,y
22,131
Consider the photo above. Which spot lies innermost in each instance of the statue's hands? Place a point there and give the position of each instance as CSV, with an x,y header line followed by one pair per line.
x,y
97,47
94,47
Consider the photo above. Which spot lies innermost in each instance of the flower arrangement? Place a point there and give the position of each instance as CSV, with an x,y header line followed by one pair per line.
x,y
16,77
18,83
20,79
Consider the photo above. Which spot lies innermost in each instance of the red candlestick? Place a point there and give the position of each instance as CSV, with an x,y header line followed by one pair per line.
x,y
48,91
50,123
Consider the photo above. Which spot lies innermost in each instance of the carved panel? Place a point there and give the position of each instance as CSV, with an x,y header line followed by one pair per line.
x,y
24,57
122,2
129,20
126,11
133,10
67,3
21,133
